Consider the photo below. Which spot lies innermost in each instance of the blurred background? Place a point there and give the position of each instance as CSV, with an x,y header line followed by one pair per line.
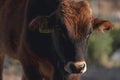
x,y
104,48
103,52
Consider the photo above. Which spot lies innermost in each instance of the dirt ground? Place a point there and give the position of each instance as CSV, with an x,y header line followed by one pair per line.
x,y
101,73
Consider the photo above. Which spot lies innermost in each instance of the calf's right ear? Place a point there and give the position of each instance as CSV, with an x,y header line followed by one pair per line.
x,y
40,24
101,25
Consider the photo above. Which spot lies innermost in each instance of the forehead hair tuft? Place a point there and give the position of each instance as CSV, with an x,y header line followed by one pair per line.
x,y
76,16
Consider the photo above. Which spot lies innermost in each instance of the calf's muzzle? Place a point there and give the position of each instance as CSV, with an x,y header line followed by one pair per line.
x,y
78,67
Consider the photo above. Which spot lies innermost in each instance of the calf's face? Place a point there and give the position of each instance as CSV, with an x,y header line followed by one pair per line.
x,y
75,23
76,19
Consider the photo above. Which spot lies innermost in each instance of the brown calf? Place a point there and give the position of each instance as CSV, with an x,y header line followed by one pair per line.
x,y
52,47
72,22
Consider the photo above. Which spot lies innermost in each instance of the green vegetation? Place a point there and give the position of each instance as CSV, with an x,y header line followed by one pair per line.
x,y
102,45
115,34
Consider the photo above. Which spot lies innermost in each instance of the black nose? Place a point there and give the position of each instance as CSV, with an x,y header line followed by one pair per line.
x,y
76,69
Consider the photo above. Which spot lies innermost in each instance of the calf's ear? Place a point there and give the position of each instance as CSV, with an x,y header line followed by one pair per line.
x,y
40,24
101,25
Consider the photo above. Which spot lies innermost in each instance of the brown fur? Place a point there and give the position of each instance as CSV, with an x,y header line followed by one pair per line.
x,y
11,28
13,39
77,17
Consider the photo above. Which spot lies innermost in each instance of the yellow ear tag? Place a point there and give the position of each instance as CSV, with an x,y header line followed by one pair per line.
x,y
44,28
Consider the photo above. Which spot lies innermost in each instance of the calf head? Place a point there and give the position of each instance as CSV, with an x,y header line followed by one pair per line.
x,y
71,26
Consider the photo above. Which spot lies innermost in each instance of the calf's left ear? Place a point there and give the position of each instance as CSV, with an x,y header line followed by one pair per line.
x,y
101,25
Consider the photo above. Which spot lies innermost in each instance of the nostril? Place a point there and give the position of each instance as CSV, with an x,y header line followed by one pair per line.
x,y
82,66
73,68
